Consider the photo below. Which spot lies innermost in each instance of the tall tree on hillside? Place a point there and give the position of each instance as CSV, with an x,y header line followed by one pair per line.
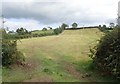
x,y
44,29
99,26
63,26
74,25
22,31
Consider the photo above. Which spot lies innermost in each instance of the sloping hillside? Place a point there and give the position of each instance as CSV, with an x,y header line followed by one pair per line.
x,y
57,58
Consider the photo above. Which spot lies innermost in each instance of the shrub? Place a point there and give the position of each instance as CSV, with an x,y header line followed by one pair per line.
x,y
58,30
74,25
107,54
10,54
44,29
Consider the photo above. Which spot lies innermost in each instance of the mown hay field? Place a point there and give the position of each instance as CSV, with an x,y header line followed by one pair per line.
x,y
57,58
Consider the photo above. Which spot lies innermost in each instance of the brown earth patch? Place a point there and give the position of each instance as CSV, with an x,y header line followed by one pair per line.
x,y
27,66
71,70
78,75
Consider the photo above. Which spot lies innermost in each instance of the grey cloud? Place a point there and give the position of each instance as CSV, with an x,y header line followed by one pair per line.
x,y
43,12
53,12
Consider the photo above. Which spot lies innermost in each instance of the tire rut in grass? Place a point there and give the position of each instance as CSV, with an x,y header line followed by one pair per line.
x,y
78,75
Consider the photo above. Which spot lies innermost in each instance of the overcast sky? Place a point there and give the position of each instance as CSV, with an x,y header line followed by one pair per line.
x,y
36,14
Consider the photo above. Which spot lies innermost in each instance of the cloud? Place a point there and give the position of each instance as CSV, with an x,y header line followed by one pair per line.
x,y
49,12
119,9
29,24
43,12
13,24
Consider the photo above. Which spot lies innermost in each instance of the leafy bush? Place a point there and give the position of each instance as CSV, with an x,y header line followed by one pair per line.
x,y
10,54
74,25
105,29
58,30
22,31
44,29
106,55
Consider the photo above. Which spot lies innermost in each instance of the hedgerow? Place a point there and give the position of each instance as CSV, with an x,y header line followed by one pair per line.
x,y
106,55
10,54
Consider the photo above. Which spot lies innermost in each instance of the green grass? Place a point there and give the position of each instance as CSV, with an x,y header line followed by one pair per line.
x,y
62,58
43,32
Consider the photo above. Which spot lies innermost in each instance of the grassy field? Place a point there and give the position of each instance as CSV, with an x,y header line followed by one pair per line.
x,y
62,58
43,32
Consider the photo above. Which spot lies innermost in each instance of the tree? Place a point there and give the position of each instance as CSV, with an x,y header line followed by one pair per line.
x,y
104,26
18,31
99,26
74,25
44,29
112,25
22,31
26,31
63,26
50,28
56,31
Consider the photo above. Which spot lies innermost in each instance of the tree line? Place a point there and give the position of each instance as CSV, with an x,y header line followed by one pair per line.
x,y
24,33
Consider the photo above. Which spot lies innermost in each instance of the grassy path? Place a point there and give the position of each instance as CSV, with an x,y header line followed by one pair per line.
x,y
62,58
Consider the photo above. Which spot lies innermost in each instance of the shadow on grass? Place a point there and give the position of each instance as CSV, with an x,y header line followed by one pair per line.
x,y
87,67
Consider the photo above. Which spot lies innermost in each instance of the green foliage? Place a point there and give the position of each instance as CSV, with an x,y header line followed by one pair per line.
x,y
104,26
99,26
22,31
112,25
36,33
10,54
63,26
40,33
50,27
47,70
107,54
74,25
44,29
58,30
105,29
